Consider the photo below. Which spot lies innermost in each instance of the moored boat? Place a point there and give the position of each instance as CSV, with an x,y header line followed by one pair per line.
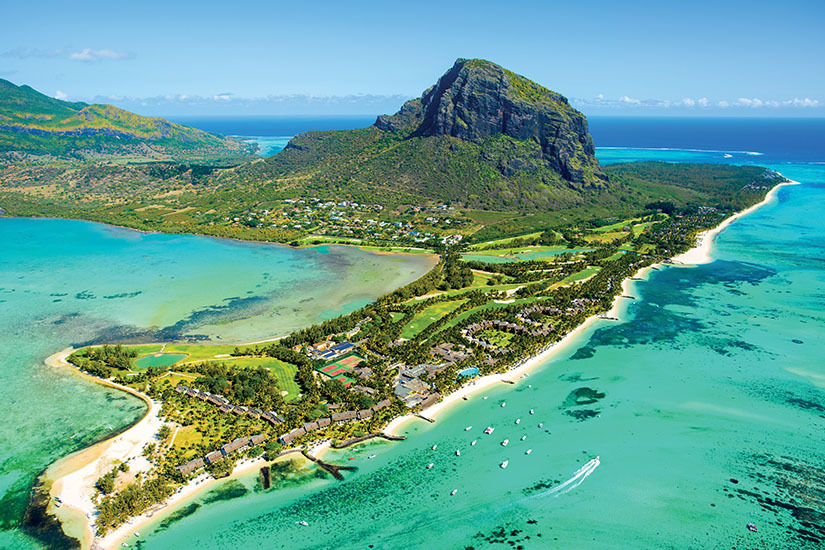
x,y
453,492
505,442
504,464
528,451
474,442
489,430
430,465
468,428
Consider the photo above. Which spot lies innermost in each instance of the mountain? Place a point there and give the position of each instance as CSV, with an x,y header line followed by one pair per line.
x,y
33,122
482,137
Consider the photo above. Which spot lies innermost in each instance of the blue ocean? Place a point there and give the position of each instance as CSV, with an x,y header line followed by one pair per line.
x,y
705,404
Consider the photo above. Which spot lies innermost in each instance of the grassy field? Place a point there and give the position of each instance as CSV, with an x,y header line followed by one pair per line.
x,y
284,372
428,316
498,338
193,352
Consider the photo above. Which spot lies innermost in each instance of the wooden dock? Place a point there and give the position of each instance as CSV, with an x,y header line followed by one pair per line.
x,y
348,442
331,468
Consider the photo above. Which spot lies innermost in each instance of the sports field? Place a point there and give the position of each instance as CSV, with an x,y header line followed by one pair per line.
x,y
338,370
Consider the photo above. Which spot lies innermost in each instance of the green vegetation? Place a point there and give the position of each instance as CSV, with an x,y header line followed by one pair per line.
x,y
34,123
427,316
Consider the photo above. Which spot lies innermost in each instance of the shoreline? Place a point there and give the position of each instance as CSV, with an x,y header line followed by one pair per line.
x,y
699,254
72,483
401,252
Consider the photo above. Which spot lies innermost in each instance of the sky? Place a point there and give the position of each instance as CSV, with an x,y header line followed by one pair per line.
x,y
698,58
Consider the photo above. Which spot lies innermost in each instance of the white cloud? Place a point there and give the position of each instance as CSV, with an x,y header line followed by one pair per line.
x,y
724,104
702,102
629,100
61,95
807,102
688,102
222,97
90,55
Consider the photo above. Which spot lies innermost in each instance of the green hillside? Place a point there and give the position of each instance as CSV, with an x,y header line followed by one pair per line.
x,y
32,122
482,137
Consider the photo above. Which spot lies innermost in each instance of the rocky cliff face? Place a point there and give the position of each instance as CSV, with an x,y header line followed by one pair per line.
x,y
476,100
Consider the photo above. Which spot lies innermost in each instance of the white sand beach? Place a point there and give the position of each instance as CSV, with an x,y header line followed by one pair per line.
x,y
700,254
74,476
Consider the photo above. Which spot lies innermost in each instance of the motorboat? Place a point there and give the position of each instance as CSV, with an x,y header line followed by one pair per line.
x,y
453,492
468,428
435,447
523,437
457,452
430,465
489,430
532,411
473,442
504,464
505,442
528,451
518,420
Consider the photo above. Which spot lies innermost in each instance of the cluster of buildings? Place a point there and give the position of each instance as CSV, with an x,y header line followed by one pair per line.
x,y
524,314
329,351
236,445
337,418
451,353
469,332
344,218
224,405
411,389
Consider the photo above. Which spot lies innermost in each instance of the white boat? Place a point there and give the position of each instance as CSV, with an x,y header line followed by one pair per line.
x,y
137,534
371,456
305,524
541,425
453,492
473,442
528,451
529,385
503,403
430,465
518,420
523,437
436,446
457,452
485,397
489,430
505,442
123,544
468,428
504,464
532,411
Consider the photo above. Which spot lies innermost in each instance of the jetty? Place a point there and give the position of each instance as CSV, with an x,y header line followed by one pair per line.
x,y
331,468
352,441
422,417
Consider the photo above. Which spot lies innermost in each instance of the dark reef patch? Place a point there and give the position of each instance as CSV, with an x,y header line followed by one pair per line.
x,y
227,491
582,396
178,515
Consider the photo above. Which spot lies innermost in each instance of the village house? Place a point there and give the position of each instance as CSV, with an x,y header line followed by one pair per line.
x,y
213,457
342,417
191,466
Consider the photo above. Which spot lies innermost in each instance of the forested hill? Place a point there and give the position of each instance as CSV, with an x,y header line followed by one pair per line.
x,y
32,122
482,137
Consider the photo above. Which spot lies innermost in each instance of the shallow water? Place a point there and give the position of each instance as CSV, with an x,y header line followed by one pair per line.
x,y
65,282
706,406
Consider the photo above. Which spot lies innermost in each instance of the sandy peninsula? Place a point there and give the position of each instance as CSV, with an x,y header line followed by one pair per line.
x,y
73,477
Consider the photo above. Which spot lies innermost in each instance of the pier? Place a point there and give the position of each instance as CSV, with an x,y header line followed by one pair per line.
x,y
348,442
331,468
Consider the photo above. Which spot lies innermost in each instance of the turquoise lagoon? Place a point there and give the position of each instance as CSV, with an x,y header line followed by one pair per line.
x,y
65,282
706,406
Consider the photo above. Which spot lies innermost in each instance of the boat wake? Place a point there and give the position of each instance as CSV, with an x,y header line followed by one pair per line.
x,y
575,480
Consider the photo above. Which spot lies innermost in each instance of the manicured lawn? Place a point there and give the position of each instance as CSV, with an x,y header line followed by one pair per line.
x,y
158,360
581,275
396,316
284,372
428,316
498,338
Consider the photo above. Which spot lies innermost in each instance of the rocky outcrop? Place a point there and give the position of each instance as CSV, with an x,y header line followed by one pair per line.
x,y
476,100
